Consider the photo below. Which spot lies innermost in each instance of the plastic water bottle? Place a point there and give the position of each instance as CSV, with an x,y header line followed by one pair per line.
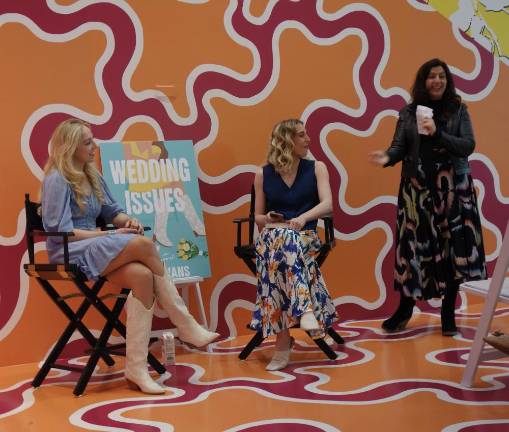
x,y
168,348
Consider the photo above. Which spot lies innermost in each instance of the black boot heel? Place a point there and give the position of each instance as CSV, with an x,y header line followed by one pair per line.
x,y
400,318
447,311
448,322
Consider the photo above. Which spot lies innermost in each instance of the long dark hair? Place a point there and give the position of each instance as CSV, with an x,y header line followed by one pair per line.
x,y
420,96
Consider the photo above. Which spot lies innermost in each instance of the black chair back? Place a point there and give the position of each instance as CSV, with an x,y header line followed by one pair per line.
x,y
33,214
33,223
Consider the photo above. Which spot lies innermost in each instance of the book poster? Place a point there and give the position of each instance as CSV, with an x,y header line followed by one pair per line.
x,y
156,182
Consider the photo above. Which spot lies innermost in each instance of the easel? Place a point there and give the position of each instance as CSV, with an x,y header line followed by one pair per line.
x,y
193,281
494,289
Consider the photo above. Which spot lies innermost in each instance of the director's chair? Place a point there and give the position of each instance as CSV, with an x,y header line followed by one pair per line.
x,y
46,274
247,252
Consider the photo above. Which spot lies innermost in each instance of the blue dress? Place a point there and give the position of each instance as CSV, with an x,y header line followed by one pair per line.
x,y
289,279
60,212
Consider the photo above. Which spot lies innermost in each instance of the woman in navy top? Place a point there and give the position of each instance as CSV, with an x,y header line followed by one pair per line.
x,y
291,194
73,195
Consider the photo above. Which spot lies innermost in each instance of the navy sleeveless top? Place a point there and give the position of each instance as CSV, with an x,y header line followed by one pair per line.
x,y
295,200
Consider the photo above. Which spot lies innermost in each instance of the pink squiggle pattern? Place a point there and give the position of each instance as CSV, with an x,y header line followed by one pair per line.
x,y
183,378
261,36
14,397
10,257
481,426
100,415
282,427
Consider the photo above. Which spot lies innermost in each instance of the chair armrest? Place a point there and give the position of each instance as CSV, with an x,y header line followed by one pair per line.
x,y
239,222
110,227
36,233
328,226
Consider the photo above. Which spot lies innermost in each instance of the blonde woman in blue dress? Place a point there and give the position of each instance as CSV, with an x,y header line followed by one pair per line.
x,y
292,192
74,194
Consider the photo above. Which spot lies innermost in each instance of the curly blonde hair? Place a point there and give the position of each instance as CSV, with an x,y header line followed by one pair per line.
x,y
281,146
63,144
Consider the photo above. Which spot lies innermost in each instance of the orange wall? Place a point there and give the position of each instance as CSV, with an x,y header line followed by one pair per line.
x,y
343,68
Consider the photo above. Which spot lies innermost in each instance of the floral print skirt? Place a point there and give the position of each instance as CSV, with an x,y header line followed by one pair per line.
x,y
439,238
289,282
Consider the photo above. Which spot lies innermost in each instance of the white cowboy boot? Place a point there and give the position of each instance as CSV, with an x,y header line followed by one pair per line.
x,y
189,330
192,217
138,326
160,229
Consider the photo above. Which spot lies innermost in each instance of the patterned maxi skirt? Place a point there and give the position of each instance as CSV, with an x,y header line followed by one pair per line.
x,y
289,282
439,239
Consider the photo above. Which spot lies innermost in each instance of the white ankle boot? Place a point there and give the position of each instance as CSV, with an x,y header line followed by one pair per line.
x,y
189,330
280,359
308,321
138,326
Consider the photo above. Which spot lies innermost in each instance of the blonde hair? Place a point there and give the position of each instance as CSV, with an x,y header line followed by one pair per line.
x,y
63,144
281,146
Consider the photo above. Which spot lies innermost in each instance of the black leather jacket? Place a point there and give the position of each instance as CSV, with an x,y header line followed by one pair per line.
x,y
457,137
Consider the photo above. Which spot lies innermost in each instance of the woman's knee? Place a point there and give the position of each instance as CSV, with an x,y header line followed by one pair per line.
x,y
133,275
141,274
140,280
143,246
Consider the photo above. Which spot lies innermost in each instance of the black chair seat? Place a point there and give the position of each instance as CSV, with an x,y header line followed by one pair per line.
x,y
46,274
54,271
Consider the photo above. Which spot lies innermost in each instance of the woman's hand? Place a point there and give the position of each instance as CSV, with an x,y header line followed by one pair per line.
x,y
378,157
428,124
125,230
134,224
297,223
274,217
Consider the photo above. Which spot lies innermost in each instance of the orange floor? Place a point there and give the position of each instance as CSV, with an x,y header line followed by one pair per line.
x,y
400,382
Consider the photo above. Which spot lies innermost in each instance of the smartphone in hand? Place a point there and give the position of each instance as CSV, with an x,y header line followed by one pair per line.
x,y
277,216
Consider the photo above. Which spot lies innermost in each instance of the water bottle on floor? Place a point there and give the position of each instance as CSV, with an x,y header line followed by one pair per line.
x,y
168,349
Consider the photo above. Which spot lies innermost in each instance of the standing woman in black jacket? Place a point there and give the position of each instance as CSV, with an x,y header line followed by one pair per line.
x,y
439,241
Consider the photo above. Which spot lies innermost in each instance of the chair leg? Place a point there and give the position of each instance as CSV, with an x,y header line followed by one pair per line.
x,y
120,328
253,343
88,370
75,317
325,348
53,356
250,263
156,364
336,336
100,347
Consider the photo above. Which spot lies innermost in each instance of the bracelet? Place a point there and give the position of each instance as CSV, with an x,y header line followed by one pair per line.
x,y
111,232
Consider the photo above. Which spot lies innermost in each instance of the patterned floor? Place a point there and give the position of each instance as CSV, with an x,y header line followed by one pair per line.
x,y
379,382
